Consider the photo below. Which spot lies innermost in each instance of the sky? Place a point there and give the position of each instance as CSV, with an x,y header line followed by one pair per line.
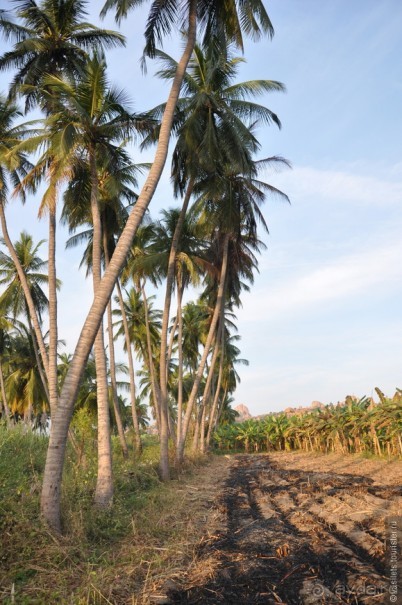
x,y
323,319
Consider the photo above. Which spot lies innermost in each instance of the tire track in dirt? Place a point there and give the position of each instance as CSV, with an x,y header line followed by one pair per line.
x,y
290,537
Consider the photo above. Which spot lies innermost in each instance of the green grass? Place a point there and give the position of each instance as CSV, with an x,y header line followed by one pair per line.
x,y
138,535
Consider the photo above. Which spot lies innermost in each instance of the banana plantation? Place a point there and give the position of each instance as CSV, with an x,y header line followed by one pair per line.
x,y
354,427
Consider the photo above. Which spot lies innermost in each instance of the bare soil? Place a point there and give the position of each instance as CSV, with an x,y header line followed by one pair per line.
x,y
294,528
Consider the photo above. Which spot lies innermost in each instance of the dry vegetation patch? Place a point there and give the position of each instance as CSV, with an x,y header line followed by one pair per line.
x,y
297,528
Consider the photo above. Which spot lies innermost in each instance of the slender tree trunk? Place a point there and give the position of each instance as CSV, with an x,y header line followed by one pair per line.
x,y
212,328
151,365
198,414
171,341
38,359
50,499
202,430
220,410
180,369
52,375
212,415
4,396
207,388
112,362
163,413
131,373
104,481
119,423
164,458
25,287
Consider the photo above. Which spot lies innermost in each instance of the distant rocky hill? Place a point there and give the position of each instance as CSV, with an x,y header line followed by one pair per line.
x,y
243,411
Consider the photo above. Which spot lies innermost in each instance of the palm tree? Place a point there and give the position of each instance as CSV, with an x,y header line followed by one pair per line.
x,y
210,133
254,21
95,117
13,299
143,326
51,38
13,168
231,202
6,327
115,185
24,385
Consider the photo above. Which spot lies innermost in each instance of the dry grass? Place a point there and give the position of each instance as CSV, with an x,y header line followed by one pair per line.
x,y
118,557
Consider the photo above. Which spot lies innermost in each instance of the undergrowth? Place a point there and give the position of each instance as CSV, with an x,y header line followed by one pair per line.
x,y
82,567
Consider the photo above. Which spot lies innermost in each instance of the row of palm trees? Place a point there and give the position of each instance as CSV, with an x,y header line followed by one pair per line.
x,y
80,151
357,426
24,389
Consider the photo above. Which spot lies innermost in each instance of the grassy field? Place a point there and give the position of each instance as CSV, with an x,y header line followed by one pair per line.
x,y
103,557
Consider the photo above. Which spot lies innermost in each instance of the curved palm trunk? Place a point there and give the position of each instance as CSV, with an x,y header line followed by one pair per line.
x,y
26,290
104,481
211,333
52,374
131,373
50,498
164,464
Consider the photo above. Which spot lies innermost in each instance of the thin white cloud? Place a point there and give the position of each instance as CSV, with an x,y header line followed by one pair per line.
x,y
342,186
353,274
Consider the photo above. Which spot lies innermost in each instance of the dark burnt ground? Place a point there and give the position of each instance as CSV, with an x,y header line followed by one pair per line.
x,y
293,536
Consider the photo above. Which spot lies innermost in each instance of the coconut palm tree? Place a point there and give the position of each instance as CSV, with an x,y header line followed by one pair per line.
x,y
51,38
231,202
13,169
24,386
14,300
115,189
96,120
210,132
254,21
144,332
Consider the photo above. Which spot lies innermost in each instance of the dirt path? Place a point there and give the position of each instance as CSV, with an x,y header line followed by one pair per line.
x,y
297,529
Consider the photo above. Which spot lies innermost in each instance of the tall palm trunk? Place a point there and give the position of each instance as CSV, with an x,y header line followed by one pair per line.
x,y
211,334
212,415
164,460
104,481
180,369
112,363
25,287
171,341
201,446
50,498
52,375
38,359
4,396
131,373
163,423
207,389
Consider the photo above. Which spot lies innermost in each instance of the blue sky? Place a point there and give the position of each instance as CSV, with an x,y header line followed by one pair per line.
x,y
323,319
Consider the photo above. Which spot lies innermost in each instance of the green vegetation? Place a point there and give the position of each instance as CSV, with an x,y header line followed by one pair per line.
x,y
116,549
355,427
79,155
